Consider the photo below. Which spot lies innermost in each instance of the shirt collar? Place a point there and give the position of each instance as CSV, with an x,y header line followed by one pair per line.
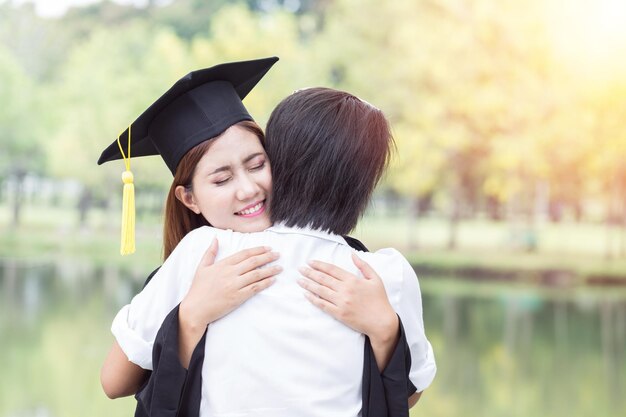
x,y
282,228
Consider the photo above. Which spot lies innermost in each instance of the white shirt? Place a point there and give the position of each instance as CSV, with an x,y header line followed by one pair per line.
x,y
277,354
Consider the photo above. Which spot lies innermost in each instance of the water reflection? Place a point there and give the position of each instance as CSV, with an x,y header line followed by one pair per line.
x,y
28,290
514,351
502,350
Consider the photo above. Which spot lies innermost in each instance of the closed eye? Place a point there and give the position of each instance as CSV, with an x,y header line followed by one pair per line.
x,y
257,166
221,182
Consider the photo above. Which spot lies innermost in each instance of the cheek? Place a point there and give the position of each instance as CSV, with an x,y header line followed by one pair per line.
x,y
214,205
267,180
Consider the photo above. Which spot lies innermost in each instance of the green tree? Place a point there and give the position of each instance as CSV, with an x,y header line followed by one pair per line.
x,y
260,35
98,96
462,83
20,144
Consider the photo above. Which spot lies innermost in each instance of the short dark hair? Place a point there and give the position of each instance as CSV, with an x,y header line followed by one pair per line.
x,y
327,149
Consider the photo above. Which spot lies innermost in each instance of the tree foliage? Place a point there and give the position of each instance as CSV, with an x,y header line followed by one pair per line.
x,y
486,115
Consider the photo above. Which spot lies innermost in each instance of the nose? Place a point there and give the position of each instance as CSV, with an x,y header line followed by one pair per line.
x,y
247,188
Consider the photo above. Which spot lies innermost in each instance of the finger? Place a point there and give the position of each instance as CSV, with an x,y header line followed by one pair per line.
x,y
322,304
320,277
319,290
257,261
245,254
258,275
256,287
365,268
332,270
211,253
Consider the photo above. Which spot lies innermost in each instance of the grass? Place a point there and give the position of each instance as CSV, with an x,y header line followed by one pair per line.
x,y
578,249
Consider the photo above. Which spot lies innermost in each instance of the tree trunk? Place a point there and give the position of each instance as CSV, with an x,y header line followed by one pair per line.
x,y
18,197
619,197
608,242
455,214
9,284
84,204
413,216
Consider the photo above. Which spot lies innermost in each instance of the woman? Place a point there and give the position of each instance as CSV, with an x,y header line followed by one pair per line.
x,y
245,217
177,126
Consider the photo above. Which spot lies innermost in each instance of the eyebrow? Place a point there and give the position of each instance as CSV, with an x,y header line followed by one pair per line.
x,y
245,161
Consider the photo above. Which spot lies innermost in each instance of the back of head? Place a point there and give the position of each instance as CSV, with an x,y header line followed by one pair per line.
x,y
328,149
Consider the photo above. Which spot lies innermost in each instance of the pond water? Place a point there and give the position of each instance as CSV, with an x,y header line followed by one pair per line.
x,y
501,350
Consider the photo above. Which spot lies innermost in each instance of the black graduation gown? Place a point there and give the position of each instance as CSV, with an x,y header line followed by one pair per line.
x,y
173,391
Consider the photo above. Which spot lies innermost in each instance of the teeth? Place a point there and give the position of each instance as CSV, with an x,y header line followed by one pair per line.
x,y
252,209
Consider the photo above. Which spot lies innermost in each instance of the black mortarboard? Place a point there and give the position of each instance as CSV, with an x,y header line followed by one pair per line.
x,y
200,106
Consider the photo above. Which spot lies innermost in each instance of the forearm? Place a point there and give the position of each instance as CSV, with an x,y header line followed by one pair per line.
x,y
120,377
413,399
384,341
190,333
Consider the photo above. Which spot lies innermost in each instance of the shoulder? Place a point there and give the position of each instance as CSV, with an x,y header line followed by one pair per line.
x,y
405,269
194,241
204,233
390,253
388,256
200,232
393,269
393,255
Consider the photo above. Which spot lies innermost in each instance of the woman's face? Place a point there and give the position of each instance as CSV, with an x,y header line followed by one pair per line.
x,y
232,183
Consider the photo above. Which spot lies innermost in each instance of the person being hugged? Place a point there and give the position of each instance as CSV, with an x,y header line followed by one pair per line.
x,y
297,346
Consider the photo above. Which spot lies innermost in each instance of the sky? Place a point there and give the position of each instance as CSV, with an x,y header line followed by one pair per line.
x,y
56,8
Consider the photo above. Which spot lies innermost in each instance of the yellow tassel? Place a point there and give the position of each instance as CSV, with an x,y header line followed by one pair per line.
x,y
128,204
128,215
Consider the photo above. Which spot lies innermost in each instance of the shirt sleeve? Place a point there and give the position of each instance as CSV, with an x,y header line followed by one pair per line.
x,y
423,367
136,325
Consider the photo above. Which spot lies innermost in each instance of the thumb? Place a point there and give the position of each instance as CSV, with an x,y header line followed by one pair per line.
x,y
211,253
367,271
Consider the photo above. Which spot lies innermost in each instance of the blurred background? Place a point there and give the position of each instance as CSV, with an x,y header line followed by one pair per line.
x,y
507,191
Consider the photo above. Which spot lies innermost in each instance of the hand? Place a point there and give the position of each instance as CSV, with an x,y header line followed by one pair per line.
x,y
217,289
361,304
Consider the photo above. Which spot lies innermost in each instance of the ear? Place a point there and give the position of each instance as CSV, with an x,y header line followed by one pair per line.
x,y
185,196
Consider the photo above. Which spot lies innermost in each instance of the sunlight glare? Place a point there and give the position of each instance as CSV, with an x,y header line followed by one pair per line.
x,y
589,36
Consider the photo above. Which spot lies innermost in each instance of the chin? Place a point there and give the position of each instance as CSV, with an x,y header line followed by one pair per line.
x,y
258,225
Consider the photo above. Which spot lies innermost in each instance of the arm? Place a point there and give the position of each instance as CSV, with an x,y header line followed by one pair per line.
x,y
216,290
384,344
120,377
178,351
409,307
393,360
361,304
384,321
219,288
413,399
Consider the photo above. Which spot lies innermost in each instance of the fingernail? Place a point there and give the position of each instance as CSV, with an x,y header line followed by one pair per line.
x,y
267,247
303,270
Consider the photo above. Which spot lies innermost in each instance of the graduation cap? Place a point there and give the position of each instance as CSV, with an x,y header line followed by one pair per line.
x,y
198,107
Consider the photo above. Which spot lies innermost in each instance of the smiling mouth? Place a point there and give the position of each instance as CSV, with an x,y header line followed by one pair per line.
x,y
253,210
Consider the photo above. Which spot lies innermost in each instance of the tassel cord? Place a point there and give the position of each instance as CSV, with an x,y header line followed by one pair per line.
x,y
127,244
